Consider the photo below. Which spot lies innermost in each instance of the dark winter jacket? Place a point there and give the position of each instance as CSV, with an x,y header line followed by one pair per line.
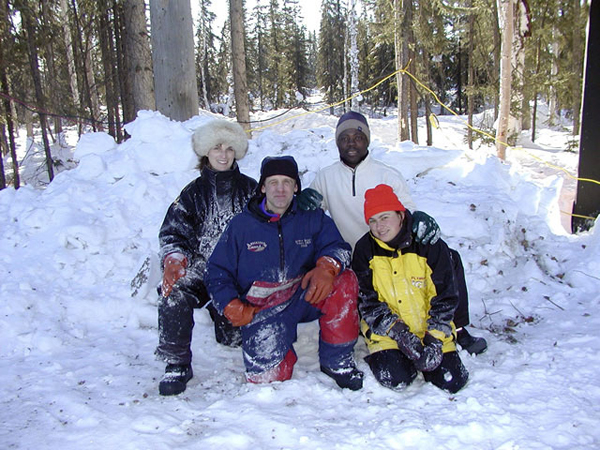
x,y
263,261
196,219
413,282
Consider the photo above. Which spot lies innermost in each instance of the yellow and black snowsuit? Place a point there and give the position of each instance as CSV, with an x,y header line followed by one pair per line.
x,y
413,282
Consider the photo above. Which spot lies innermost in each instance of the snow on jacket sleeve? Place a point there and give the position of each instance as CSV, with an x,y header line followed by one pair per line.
x,y
222,268
445,302
177,231
375,313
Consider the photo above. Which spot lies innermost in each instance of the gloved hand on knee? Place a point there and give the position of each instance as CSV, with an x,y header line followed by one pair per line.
x,y
320,280
174,269
240,313
432,354
408,343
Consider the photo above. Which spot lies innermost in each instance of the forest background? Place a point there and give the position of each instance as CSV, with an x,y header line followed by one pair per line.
x,y
90,63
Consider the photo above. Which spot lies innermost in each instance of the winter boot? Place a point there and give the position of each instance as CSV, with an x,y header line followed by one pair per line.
x,y
345,377
474,345
175,378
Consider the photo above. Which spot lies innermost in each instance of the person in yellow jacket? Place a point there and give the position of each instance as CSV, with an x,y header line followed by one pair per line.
x,y
407,299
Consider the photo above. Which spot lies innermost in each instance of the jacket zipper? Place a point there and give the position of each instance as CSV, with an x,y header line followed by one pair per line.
x,y
281,250
353,182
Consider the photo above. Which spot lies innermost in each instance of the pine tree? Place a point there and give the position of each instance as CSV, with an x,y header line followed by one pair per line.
x,y
331,59
205,54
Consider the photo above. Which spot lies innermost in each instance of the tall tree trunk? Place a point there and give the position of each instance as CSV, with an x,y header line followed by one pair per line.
x,y
5,89
138,54
401,60
577,66
470,77
37,82
238,60
125,90
506,7
175,87
354,62
3,144
497,54
106,50
70,58
81,57
52,78
552,100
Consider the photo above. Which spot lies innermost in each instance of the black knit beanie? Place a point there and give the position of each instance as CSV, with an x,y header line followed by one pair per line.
x,y
279,165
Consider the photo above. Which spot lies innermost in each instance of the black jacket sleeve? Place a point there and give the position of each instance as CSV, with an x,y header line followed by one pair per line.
x,y
374,312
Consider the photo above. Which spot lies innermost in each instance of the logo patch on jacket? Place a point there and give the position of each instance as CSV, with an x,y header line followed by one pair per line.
x,y
418,282
256,246
303,242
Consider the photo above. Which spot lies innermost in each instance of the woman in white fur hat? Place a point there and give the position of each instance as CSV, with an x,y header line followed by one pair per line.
x,y
189,233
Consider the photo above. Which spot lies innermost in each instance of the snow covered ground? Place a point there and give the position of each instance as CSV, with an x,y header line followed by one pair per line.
x,y
78,306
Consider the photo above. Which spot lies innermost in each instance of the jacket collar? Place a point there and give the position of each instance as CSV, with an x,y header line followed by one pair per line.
x,y
254,208
363,163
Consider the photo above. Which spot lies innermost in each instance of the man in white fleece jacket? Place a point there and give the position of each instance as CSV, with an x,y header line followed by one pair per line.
x,y
342,187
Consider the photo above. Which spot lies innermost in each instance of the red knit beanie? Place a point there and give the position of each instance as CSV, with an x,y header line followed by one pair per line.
x,y
379,199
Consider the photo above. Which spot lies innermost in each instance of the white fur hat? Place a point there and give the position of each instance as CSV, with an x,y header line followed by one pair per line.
x,y
215,132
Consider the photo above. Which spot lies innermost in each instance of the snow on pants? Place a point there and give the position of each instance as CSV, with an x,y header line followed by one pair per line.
x,y
461,315
176,319
267,342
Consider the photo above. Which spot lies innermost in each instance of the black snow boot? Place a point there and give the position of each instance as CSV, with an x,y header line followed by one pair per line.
x,y
474,345
345,377
175,378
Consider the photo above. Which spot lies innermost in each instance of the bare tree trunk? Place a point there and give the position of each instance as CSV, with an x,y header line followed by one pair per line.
x,y
37,82
3,144
470,78
401,60
553,74
106,50
80,56
119,70
577,65
203,32
354,62
138,54
91,83
497,54
506,7
238,59
5,89
346,75
175,87
52,79
70,58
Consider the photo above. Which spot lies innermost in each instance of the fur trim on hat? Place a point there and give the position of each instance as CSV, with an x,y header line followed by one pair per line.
x,y
216,132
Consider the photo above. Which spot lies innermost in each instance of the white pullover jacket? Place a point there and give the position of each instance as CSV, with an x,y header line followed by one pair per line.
x,y
343,190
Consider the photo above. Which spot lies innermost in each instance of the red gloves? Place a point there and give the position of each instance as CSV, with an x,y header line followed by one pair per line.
x,y
239,313
320,279
174,269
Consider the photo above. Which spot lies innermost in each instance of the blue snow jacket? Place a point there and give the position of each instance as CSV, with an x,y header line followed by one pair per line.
x,y
262,261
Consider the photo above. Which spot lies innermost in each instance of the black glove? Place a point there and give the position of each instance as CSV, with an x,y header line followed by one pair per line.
x,y
425,228
432,354
408,343
309,199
